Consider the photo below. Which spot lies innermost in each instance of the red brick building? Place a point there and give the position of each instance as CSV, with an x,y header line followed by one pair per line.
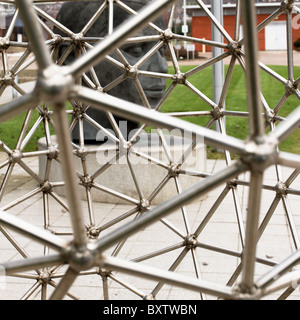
x,y
273,37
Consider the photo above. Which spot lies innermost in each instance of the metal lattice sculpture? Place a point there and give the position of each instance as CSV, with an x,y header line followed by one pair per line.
x,y
87,247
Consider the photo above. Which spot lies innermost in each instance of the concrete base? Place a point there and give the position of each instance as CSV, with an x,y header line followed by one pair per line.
x,y
118,180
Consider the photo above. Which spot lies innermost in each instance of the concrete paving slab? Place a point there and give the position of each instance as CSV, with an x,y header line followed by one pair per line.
x,y
222,231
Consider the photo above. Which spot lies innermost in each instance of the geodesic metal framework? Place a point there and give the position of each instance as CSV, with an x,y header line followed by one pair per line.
x,y
88,250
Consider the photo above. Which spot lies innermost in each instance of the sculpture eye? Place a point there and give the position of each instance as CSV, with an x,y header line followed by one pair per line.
x,y
134,50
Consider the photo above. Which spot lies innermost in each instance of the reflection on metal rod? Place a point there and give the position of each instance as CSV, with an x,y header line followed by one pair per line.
x,y
150,117
168,277
252,74
171,205
124,31
35,33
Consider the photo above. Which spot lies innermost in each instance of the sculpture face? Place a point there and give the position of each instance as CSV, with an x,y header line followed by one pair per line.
x,y
75,16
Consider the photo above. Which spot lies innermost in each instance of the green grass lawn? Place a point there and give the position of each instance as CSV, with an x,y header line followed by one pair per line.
x,y
183,99
10,131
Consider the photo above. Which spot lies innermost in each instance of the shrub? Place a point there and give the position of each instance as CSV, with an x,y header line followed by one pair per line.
x,y
297,44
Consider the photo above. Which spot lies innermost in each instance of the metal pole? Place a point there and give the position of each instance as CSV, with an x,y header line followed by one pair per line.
x,y
218,68
184,19
185,26
256,135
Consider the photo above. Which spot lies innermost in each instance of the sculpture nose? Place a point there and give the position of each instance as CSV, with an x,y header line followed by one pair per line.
x,y
157,63
155,86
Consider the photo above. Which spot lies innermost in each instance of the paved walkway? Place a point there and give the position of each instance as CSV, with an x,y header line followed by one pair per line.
x,y
222,231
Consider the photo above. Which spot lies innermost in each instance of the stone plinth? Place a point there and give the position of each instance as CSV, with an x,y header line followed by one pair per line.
x,y
150,165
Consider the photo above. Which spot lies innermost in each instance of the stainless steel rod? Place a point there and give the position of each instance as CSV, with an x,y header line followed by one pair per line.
x,y
32,263
31,231
290,45
35,33
249,254
137,113
285,128
64,285
277,271
215,21
252,71
169,206
267,21
118,36
168,277
15,107
67,161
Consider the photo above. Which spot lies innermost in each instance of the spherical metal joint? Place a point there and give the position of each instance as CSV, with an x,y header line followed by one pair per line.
x,y
4,43
167,35
283,5
234,47
46,186
180,78
124,148
58,40
82,258
260,156
191,241
81,152
15,156
52,152
78,112
131,72
7,79
217,113
144,206
243,293
290,88
270,116
77,39
93,232
174,170
54,84
45,276
287,6
232,184
86,181
104,273
281,189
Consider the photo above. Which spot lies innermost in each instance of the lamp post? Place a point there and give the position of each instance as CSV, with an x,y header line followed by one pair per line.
x,y
185,26
218,68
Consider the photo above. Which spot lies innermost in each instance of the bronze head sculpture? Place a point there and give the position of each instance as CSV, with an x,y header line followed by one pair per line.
x,y
75,16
